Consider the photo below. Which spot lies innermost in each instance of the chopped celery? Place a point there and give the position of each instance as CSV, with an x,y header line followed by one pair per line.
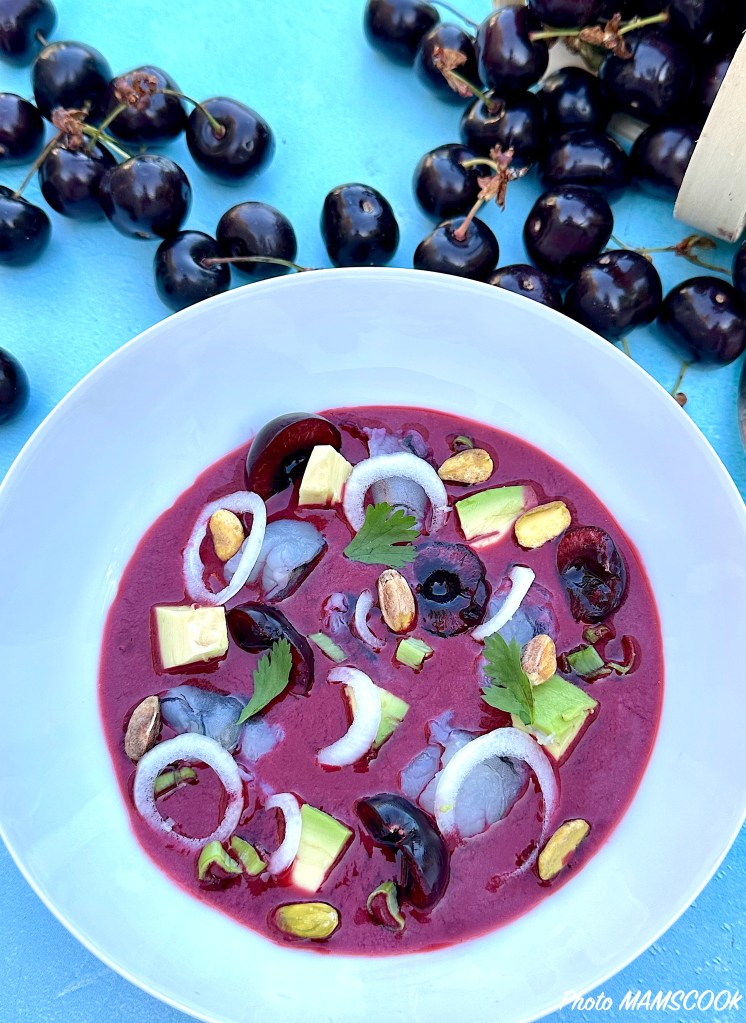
x,y
250,859
170,779
585,661
327,646
213,854
413,652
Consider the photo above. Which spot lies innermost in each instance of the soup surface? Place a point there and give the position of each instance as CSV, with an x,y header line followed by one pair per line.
x,y
456,856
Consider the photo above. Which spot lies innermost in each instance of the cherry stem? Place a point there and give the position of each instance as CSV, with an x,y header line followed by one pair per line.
x,y
460,233
625,347
474,90
454,10
37,164
218,260
40,38
680,380
631,26
218,128
98,135
692,257
481,161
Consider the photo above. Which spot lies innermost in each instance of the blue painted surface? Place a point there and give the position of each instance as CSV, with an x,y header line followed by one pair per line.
x,y
340,113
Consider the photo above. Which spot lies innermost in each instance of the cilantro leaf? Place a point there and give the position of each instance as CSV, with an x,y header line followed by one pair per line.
x,y
271,676
384,538
511,690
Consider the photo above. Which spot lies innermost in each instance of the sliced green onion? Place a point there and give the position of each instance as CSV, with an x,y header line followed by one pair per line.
x,y
172,778
383,907
213,854
250,859
595,633
462,441
327,646
413,652
586,661
628,653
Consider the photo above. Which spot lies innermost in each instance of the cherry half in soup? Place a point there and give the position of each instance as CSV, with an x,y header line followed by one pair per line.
x,y
509,59
70,179
524,279
358,226
707,318
566,227
459,249
515,123
73,76
181,275
21,130
24,229
573,98
443,186
256,229
586,157
24,24
660,157
429,61
242,144
147,196
14,387
280,451
615,293
397,27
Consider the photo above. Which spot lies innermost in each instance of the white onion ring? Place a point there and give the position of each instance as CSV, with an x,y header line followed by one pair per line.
x,y
362,610
189,746
366,720
521,578
241,502
379,467
502,742
287,850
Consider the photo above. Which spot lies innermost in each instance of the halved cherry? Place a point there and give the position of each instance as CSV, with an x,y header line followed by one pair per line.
x,y
281,449
592,572
451,587
255,627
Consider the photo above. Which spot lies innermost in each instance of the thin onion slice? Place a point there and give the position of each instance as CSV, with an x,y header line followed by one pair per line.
x,y
521,579
241,502
287,850
502,742
404,465
366,720
362,610
191,747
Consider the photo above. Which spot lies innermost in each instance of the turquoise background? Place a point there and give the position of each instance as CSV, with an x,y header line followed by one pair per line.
x,y
340,113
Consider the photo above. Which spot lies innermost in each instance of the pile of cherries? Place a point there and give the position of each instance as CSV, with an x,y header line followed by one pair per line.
x,y
644,52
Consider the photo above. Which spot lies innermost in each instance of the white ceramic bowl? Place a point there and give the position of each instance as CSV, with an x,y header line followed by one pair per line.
x,y
134,434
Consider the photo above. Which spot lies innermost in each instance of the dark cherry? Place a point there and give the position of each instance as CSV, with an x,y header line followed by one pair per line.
x,y
23,26
573,98
509,60
694,17
709,82
451,587
586,157
593,573
707,317
246,146
14,389
358,226
147,196
24,229
21,130
396,27
163,119
630,8
654,80
70,75
281,449
181,279
255,627
615,293
445,253
566,227
516,122
566,13
393,821
524,279
70,180
256,229
660,157
446,37
442,185
739,271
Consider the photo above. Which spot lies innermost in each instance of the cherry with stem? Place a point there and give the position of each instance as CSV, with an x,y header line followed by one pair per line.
x,y
456,12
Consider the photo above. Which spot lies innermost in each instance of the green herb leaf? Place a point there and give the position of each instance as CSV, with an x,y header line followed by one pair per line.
x,y
271,676
511,691
384,538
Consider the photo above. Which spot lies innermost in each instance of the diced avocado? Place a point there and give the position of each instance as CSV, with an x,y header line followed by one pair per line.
x,y
413,652
491,513
586,661
322,841
188,634
560,711
392,714
324,477
250,859
327,646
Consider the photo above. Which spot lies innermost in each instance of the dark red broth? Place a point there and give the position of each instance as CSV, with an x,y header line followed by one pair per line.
x,y
598,777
